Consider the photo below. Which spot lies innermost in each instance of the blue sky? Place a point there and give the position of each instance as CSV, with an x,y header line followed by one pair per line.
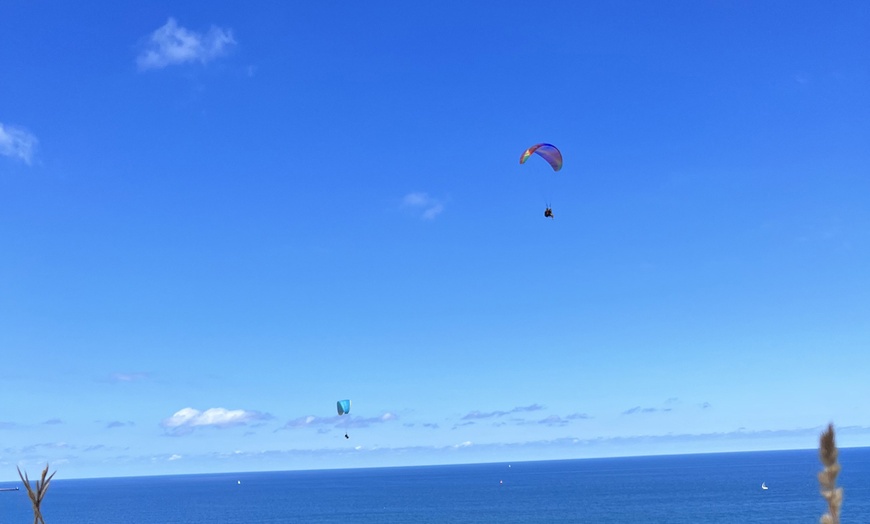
x,y
216,221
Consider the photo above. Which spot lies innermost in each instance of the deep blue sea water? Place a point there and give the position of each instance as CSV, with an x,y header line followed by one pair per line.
x,y
710,488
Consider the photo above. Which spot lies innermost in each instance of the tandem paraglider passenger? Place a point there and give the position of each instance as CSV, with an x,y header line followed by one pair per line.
x,y
552,155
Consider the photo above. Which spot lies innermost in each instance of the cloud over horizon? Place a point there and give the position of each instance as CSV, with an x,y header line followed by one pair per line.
x,y
568,447
17,143
187,419
606,443
172,44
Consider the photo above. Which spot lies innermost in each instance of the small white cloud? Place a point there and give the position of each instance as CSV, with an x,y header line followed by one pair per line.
x,y
128,377
475,415
174,456
310,421
415,199
639,409
360,422
553,420
189,418
465,444
428,207
17,143
172,44
342,422
433,211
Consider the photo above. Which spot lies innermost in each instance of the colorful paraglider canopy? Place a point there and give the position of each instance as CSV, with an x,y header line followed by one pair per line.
x,y
548,152
343,407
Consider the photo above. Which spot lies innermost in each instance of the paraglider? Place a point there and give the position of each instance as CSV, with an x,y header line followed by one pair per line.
x,y
552,155
343,408
548,152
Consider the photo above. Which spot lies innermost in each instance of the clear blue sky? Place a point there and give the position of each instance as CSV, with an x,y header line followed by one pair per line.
x,y
217,220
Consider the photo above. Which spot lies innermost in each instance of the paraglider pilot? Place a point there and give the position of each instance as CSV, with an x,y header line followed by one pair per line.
x,y
548,213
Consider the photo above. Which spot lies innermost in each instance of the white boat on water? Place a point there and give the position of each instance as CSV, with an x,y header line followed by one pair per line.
x,y
764,485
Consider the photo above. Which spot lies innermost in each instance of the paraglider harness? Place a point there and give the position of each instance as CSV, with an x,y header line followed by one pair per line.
x,y
548,213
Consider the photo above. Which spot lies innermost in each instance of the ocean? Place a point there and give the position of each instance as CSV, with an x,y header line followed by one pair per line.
x,y
706,488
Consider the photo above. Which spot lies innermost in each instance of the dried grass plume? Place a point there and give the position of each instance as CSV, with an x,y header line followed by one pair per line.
x,y
828,477
38,494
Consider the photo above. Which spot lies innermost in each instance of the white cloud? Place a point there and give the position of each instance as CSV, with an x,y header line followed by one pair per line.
x,y
361,422
428,207
416,199
172,44
553,420
174,456
639,409
189,418
310,421
345,421
128,377
17,143
476,415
